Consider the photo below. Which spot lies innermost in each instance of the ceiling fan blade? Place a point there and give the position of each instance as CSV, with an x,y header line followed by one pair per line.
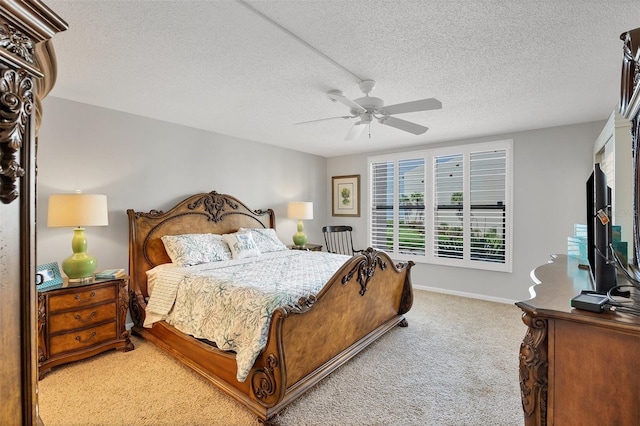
x,y
348,102
405,125
325,119
355,131
421,105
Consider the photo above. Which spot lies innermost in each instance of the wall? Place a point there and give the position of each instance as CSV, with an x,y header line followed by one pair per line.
x,y
550,169
146,164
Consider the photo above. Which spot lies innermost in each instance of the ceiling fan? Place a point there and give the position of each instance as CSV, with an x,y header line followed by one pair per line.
x,y
368,108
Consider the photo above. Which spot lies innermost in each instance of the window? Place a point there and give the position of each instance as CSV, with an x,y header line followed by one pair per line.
x,y
449,206
405,178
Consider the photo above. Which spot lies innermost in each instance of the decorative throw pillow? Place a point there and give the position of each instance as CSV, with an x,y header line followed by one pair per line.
x,y
266,239
194,249
241,245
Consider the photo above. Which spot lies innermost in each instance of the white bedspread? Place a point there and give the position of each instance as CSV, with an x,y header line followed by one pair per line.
x,y
231,302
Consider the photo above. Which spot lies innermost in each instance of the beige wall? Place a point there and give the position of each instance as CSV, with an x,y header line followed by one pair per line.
x,y
550,169
146,164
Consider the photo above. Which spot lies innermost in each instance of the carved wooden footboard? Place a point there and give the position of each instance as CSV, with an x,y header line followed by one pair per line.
x,y
364,299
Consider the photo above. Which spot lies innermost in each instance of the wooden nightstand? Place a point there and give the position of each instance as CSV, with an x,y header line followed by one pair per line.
x,y
307,247
80,320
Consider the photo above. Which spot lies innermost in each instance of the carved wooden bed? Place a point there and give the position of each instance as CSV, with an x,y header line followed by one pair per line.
x,y
364,299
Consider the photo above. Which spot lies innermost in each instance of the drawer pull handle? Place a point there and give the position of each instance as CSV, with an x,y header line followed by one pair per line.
x,y
77,297
79,318
79,339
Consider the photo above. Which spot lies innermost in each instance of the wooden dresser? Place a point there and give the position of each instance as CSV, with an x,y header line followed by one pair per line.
x,y
576,367
27,74
81,320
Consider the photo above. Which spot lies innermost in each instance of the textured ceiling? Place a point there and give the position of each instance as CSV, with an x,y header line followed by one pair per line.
x,y
496,66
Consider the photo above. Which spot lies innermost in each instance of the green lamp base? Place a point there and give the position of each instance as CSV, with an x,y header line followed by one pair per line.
x,y
300,239
80,265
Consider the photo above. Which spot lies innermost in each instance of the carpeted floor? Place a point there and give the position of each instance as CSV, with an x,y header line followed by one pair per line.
x,y
456,364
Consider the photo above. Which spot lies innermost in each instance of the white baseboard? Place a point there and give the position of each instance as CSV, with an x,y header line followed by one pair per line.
x,y
128,325
464,294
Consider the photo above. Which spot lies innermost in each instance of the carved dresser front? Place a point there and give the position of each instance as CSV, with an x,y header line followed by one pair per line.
x,y
576,367
81,320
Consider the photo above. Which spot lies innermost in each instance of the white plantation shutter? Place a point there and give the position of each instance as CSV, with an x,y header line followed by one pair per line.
x,y
411,187
382,205
487,195
449,206
448,192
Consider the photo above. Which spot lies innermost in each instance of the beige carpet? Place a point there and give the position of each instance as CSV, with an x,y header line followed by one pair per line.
x,y
456,364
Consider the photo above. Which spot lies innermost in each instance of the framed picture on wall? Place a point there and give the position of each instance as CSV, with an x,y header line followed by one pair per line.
x,y
345,195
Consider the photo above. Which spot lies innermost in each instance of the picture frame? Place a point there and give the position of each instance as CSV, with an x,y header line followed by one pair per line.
x,y
48,275
345,196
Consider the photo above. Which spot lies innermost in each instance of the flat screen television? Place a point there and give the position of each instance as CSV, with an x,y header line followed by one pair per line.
x,y
599,232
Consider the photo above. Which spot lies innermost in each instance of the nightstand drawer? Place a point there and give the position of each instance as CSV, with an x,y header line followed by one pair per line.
x,y
82,298
82,339
82,318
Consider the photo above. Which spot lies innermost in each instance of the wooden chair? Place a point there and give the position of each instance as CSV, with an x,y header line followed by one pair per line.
x,y
338,239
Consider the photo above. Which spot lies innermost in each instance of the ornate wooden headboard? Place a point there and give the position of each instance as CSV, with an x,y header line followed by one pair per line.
x,y
200,213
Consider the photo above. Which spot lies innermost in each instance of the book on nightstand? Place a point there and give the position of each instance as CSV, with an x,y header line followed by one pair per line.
x,y
110,274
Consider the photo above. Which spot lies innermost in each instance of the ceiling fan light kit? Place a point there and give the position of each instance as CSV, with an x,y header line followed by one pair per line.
x,y
368,107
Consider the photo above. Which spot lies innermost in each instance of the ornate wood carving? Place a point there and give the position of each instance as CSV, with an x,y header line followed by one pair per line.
x,y
534,371
365,269
136,307
123,306
152,213
16,105
42,322
45,56
16,42
629,106
264,381
303,305
24,24
407,293
214,204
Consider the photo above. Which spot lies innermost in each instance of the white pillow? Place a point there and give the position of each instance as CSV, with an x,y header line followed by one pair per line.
x,y
194,249
266,239
241,245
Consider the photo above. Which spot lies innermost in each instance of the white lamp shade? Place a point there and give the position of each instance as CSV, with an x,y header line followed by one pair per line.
x,y
77,210
300,210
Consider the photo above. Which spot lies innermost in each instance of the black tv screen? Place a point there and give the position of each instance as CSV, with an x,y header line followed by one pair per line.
x,y
599,232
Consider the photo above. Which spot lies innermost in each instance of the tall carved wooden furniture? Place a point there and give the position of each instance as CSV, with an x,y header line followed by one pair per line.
x,y
629,108
27,72
576,367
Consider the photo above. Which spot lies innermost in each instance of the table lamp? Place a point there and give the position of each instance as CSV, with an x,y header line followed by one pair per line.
x,y
78,210
300,210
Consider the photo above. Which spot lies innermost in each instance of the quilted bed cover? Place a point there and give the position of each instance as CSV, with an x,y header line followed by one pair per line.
x,y
231,302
